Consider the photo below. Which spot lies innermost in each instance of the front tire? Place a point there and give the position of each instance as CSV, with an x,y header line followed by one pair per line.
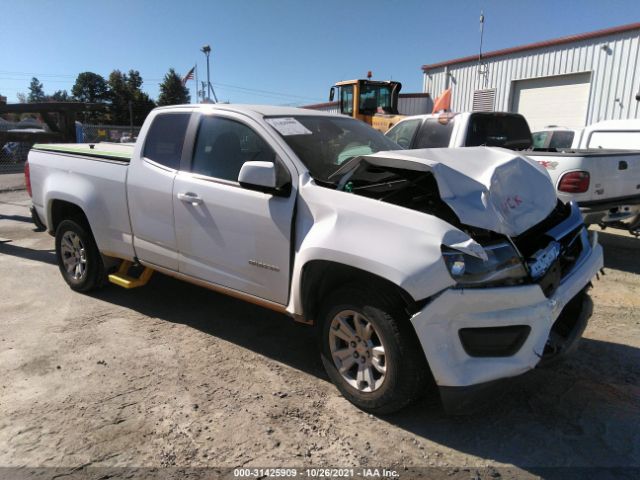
x,y
78,257
370,351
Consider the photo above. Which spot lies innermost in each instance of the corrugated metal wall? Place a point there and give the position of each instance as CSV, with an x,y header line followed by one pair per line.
x,y
408,104
414,105
331,107
612,60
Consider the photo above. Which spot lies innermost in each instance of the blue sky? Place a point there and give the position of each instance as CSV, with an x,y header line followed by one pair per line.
x,y
273,51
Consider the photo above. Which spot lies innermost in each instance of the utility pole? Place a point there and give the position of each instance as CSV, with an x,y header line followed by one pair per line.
x,y
483,68
206,49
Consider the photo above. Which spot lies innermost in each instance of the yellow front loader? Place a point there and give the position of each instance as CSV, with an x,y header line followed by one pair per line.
x,y
374,102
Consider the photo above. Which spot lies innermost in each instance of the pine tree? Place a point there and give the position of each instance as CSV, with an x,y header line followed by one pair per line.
x,y
36,91
60,96
125,89
172,92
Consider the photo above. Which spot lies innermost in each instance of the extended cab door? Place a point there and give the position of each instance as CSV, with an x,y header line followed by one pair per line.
x,y
226,234
150,189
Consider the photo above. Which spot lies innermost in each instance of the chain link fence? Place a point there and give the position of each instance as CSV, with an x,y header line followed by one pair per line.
x,y
87,133
14,154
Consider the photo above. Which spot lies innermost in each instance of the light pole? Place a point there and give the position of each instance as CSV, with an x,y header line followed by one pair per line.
x,y
206,49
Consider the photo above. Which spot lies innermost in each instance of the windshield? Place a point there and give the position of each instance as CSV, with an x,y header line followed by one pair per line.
x,y
373,97
324,143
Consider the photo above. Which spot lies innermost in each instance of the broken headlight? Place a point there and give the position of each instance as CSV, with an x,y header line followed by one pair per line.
x,y
502,267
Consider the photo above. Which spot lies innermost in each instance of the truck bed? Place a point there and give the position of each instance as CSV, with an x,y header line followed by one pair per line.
x,y
118,152
91,175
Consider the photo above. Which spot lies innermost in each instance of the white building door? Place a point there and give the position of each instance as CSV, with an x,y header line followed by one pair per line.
x,y
561,100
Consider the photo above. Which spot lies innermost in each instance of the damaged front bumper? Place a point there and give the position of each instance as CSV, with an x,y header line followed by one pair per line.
x,y
473,337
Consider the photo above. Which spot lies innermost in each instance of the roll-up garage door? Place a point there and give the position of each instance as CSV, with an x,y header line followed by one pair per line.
x,y
560,100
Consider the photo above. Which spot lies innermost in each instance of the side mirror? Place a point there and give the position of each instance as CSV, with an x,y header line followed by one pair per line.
x,y
332,94
259,176
263,177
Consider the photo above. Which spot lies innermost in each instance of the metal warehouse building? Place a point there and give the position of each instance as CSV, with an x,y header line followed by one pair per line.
x,y
572,81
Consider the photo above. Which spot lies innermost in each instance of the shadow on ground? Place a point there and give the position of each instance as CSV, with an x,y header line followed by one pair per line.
x,y
263,331
585,412
16,218
620,252
45,256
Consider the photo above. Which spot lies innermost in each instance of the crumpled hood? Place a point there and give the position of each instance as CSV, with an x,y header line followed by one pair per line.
x,y
491,188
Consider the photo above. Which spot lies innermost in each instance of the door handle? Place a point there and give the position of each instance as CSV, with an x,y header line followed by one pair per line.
x,y
189,197
622,165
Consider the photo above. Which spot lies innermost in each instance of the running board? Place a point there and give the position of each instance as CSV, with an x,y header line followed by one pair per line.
x,y
122,279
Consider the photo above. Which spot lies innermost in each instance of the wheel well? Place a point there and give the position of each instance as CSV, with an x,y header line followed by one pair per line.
x,y
320,277
63,210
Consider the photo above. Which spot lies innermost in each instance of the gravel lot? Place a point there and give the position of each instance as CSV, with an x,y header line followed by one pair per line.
x,y
175,375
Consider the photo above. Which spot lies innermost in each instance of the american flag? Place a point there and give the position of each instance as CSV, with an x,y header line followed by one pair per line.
x,y
188,76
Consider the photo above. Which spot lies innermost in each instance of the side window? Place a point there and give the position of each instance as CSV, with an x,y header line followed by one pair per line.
x,y
223,145
165,139
346,100
403,132
434,134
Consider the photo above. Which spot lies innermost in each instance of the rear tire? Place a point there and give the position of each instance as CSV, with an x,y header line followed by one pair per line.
x,y
78,257
370,351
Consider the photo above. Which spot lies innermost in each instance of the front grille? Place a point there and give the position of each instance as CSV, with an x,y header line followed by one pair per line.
x,y
550,281
571,249
552,229
536,237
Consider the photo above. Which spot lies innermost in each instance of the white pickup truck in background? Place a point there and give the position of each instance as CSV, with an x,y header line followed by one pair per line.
x,y
458,265
609,134
604,182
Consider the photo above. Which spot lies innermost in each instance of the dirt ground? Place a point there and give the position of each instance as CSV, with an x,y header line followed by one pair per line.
x,y
172,375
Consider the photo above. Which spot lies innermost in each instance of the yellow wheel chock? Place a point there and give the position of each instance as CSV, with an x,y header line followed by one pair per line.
x,y
124,280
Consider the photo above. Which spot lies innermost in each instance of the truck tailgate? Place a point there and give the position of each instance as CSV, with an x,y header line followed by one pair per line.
x,y
614,174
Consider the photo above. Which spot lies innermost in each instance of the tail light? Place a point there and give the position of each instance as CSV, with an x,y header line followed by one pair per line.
x,y
574,182
27,177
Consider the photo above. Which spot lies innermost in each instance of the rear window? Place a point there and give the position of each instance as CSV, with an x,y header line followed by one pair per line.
x,y
561,139
491,130
165,139
540,139
435,133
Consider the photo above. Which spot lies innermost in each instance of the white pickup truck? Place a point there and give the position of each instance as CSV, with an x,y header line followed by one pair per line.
x,y
608,134
601,181
460,265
